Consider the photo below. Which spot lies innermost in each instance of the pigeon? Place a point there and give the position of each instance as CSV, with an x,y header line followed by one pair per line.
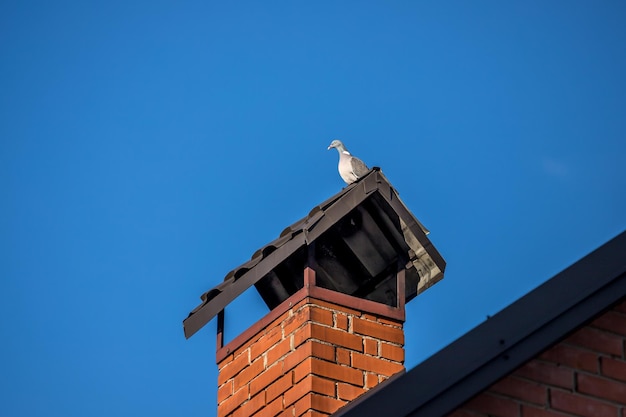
x,y
350,167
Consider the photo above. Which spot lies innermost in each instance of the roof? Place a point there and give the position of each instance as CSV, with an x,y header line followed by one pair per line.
x,y
505,341
356,241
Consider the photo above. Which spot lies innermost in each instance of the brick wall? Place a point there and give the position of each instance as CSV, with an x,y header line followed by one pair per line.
x,y
584,375
310,361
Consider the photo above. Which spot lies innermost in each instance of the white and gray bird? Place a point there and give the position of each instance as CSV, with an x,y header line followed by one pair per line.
x,y
350,167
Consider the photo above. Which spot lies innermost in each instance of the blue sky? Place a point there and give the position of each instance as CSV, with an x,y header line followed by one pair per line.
x,y
148,148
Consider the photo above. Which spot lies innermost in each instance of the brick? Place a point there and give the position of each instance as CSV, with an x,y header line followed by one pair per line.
x,y
306,314
250,407
337,337
341,321
294,322
279,387
377,330
233,368
322,386
348,392
333,336
343,356
390,322
372,364
392,352
278,351
288,412
301,335
313,413
321,316
224,391
310,384
317,402
547,373
271,409
597,340
296,392
309,349
530,411
371,380
611,321
613,368
322,351
579,405
266,342
521,389
303,369
572,357
602,388
370,347
493,406
249,373
328,370
296,356
238,349
268,376
233,402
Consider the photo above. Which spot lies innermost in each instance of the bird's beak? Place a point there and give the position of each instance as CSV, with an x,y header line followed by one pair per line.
x,y
330,147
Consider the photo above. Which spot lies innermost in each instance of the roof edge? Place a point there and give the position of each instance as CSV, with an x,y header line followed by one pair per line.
x,y
498,346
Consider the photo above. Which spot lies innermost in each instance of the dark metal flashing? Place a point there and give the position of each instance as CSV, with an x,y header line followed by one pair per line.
x,y
287,256
504,342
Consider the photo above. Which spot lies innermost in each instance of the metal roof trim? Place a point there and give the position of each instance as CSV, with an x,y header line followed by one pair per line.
x,y
499,345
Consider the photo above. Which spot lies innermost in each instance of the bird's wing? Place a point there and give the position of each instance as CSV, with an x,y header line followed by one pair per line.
x,y
358,167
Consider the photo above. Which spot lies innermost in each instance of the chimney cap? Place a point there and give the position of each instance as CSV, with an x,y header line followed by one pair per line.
x,y
357,239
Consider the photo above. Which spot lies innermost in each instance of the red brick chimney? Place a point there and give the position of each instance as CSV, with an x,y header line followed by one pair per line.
x,y
308,358
336,284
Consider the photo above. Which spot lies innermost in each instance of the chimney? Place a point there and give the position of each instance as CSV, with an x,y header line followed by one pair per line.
x,y
336,284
